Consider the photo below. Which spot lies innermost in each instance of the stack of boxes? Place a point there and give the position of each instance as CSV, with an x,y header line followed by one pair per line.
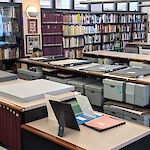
x,y
131,93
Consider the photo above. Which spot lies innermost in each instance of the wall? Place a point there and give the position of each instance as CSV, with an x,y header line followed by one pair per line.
x,y
26,3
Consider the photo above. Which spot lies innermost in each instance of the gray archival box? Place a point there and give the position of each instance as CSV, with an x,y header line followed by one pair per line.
x,y
32,90
6,76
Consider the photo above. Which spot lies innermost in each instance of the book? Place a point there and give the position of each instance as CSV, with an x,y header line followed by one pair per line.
x,y
104,123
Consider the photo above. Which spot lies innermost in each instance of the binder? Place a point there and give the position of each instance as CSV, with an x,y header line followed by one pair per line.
x,y
18,129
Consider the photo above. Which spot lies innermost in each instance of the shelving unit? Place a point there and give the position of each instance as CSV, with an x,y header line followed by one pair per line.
x,y
52,33
83,32
101,30
10,34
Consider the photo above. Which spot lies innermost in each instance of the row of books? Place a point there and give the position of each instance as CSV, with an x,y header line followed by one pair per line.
x,y
100,28
125,36
48,17
109,38
9,53
73,42
91,47
52,51
73,53
138,35
52,40
73,18
108,47
89,39
8,12
52,28
139,26
123,45
73,30
81,30
131,18
102,18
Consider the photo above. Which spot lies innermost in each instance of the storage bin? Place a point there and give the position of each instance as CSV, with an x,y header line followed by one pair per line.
x,y
94,92
114,90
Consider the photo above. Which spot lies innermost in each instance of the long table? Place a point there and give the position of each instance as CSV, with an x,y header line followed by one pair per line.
x,y
42,134
119,55
27,61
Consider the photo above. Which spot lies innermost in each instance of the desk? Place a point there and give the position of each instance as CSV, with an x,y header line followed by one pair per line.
x,y
43,132
14,113
120,55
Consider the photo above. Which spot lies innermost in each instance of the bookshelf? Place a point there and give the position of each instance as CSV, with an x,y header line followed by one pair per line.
x,y
52,33
10,33
83,32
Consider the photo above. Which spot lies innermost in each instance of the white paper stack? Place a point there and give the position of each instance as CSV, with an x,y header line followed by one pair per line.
x,y
33,90
6,76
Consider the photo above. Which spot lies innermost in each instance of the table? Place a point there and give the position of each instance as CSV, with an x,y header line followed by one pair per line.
x,y
14,113
42,134
145,80
139,43
120,55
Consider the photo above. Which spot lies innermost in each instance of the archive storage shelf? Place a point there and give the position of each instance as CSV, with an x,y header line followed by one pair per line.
x,y
10,33
83,32
52,33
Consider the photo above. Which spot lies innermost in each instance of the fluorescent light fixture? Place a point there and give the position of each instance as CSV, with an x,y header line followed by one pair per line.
x,y
109,1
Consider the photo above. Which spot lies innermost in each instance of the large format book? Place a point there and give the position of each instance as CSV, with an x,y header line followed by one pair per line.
x,y
132,72
104,68
104,123
69,62
6,76
33,90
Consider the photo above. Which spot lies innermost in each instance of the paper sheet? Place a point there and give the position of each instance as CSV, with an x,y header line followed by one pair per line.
x,y
85,105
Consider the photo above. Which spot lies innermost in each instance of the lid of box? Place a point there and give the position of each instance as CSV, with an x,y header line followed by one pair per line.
x,y
113,82
30,73
142,90
6,76
80,81
96,86
130,88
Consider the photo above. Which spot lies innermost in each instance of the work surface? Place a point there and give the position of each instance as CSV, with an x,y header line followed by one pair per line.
x,y
21,106
139,43
88,138
120,55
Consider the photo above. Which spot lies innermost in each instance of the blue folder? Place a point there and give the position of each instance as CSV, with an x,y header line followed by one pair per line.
x,y
84,118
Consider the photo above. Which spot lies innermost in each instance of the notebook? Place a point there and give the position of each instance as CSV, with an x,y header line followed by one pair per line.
x,y
104,123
